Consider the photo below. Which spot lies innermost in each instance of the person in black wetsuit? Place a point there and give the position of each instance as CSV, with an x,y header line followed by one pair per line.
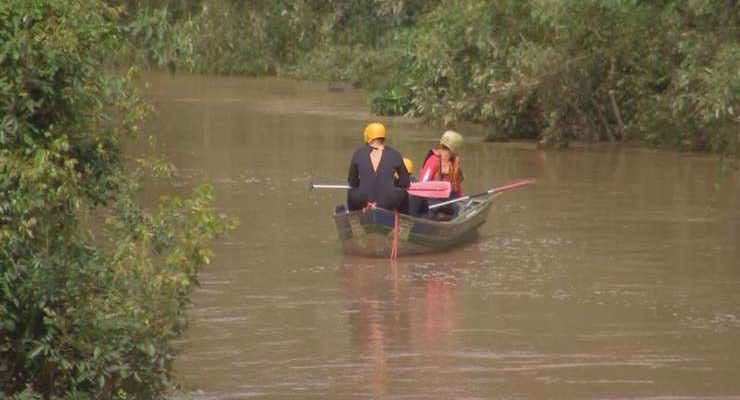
x,y
371,174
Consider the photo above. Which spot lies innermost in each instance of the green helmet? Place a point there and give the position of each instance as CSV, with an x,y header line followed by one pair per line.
x,y
452,140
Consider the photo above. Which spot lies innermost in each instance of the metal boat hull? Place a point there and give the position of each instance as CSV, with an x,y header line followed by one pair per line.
x,y
370,233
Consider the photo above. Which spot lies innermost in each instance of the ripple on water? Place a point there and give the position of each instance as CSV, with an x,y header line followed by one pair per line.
x,y
518,265
715,322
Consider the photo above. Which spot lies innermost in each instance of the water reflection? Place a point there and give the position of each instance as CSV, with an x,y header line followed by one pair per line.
x,y
393,306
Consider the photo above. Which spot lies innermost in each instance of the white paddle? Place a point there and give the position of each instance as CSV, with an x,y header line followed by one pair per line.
x,y
429,189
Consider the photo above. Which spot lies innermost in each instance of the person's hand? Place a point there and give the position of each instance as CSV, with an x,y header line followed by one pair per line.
x,y
369,206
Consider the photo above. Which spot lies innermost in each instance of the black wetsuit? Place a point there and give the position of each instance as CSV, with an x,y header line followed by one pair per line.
x,y
380,187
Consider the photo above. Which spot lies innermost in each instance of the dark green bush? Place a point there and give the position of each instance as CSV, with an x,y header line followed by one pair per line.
x,y
664,74
84,316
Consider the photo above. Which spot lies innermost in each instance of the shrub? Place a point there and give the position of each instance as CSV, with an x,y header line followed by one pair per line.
x,y
84,315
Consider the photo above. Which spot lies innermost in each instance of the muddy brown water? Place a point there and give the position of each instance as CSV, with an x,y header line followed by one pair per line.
x,y
616,276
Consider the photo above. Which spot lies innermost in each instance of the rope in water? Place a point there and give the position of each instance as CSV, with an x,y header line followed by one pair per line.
x,y
394,247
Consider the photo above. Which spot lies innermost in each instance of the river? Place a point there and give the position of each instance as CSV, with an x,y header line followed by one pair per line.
x,y
615,276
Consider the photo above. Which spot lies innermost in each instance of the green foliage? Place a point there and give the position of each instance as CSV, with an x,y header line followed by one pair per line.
x,y
337,39
696,107
84,316
664,74
161,42
390,102
225,41
156,31
563,70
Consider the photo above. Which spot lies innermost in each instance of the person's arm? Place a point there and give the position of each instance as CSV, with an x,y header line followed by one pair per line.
x,y
353,176
429,171
460,177
404,180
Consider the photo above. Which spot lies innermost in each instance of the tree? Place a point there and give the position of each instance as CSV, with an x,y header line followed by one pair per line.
x,y
84,312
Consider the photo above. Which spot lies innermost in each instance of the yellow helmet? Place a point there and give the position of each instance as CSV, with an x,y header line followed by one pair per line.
x,y
375,130
409,165
452,140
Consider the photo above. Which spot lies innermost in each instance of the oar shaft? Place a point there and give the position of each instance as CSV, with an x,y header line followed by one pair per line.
x,y
510,186
444,203
489,191
329,186
432,189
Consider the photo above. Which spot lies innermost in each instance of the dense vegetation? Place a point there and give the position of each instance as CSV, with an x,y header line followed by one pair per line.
x,y
93,287
664,74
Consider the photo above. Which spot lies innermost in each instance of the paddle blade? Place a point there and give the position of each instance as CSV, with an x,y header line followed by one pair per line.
x,y
431,189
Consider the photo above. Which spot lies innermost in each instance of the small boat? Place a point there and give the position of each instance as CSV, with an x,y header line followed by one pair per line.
x,y
370,233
